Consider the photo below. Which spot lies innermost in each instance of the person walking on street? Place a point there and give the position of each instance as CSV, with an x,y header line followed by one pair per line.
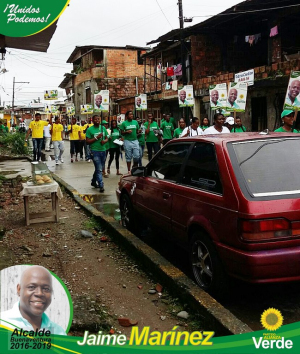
x,y
129,129
141,139
178,131
105,125
74,132
114,149
88,157
193,129
152,138
47,136
218,127
97,137
57,139
36,129
287,117
168,128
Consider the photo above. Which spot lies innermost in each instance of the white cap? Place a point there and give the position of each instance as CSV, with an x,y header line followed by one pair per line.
x,y
229,120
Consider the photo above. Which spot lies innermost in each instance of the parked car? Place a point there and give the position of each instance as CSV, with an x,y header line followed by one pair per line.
x,y
232,200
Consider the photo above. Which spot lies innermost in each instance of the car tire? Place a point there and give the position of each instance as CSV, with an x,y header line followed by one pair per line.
x,y
127,216
206,266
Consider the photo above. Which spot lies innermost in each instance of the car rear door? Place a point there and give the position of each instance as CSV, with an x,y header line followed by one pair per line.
x,y
154,192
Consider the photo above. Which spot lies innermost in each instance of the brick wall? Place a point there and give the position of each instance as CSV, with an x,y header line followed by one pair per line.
x,y
9,190
123,63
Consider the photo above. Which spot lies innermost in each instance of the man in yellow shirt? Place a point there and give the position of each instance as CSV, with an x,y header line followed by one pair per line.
x,y
74,132
57,139
36,129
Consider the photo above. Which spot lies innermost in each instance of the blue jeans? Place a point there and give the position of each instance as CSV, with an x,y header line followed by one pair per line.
x,y
37,148
142,147
99,162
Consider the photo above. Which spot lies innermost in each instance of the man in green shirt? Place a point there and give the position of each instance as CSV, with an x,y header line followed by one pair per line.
x,y
129,129
152,137
179,130
167,128
97,137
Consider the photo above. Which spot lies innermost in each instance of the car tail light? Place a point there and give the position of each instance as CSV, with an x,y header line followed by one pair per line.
x,y
267,229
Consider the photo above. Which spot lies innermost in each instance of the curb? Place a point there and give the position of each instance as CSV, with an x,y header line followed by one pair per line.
x,y
214,316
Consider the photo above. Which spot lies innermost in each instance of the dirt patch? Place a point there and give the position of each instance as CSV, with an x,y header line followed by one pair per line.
x,y
105,284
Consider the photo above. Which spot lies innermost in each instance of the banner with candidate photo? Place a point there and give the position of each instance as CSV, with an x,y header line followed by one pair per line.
x,y
54,109
101,101
47,108
218,96
86,109
50,95
70,110
292,98
186,96
141,102
237,97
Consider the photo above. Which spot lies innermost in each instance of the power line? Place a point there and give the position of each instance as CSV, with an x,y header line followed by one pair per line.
x,y
250,11
163,13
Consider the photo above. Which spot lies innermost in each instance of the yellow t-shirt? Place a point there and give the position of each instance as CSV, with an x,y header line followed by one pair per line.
x,y
57,129
37,128
75,132
82,133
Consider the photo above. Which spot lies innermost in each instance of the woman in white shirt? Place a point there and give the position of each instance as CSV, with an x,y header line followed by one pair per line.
x,y
218,127
193,129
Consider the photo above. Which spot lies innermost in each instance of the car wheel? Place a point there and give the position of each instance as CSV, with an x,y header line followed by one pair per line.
x,y
127,216
206,265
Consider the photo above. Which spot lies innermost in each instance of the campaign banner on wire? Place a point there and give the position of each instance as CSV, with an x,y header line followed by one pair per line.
x,y
101,101
292,98
50,95
141,102
86,109
237,97
218,96
24,18
186,96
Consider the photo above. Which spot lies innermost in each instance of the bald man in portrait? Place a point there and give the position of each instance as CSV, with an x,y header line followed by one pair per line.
x,y
35,295
292,98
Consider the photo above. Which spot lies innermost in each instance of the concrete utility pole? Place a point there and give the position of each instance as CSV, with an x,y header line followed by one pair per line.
x,y
182,44
13,98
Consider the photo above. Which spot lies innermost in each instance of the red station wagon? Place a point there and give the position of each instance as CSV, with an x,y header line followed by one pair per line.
x,y
232,200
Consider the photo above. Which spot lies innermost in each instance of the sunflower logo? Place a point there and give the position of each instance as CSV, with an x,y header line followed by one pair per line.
x,y
241,96
271,319
222,95
105,100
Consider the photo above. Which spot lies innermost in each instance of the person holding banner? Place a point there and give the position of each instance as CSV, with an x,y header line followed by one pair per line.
x,y
36,128
129,129
292,98
115,141
218,127
193,129
74,132
287,117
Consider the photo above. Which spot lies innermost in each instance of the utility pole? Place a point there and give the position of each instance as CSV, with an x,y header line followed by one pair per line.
x,y
13,99
182,44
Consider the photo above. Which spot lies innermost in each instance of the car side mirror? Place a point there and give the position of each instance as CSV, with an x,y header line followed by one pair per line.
x,y
138,171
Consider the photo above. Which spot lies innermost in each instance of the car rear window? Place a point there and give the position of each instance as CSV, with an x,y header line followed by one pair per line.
x,y
268,167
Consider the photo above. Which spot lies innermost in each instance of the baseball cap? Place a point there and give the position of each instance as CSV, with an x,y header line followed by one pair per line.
x,y
229,120
104,122
286,112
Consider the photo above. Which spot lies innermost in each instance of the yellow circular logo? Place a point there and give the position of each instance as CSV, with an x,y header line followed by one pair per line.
x,y
241,96
271,319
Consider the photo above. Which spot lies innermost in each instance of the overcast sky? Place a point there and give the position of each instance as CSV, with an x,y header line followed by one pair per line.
x,y
95,22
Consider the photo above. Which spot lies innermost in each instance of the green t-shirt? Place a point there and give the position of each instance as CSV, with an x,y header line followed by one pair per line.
x,y
92,132
177,132
151,137
281,130
203,127
172,120
127,125
141,137
167,128
239,130
115,134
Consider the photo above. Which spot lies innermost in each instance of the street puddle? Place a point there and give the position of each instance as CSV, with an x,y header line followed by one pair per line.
x,y
100,203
